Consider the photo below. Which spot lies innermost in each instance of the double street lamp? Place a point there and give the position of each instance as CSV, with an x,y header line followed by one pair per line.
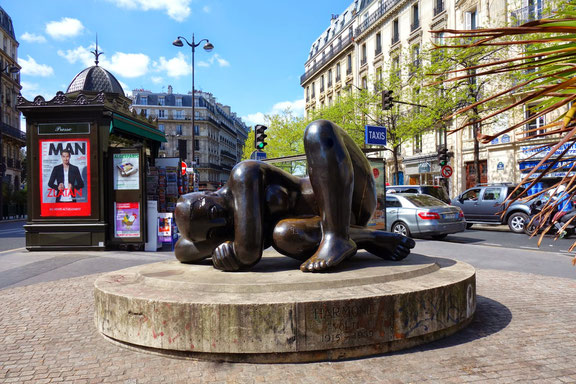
x,y
3,69
207,47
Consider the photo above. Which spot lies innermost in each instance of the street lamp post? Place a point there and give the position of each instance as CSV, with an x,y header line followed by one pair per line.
x,y
11,69
207,47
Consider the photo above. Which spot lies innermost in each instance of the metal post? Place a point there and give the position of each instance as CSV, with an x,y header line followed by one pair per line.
x,y
193,107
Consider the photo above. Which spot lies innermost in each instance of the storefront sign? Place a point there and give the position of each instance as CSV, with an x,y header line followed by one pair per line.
x,y
424,167
65,177
63,128
127,220
126,175
537,152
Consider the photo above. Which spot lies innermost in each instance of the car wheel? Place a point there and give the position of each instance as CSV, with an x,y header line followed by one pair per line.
x,y
440,237
469,225
401,228
516,222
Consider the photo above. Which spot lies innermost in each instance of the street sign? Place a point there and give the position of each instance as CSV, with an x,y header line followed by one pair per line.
x,y
374,135
257,155
446,171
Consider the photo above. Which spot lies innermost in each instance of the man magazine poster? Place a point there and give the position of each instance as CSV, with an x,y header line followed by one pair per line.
x,y
65,177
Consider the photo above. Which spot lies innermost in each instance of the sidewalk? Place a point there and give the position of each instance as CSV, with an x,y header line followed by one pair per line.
x,y
524,331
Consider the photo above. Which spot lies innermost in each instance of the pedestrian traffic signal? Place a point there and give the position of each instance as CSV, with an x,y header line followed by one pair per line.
x,y
260,136
443,156
387,100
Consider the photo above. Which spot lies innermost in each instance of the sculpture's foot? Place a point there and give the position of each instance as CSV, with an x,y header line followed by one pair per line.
x,y
391,247
332,251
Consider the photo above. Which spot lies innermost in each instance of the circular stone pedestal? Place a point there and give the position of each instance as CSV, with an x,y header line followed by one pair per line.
x,y
276,313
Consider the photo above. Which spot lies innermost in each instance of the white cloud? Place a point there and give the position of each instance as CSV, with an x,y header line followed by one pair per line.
x,y
124,64
66,27
157,79
178,10
31,68
29,90
296,106
214,59
126,88
33,38
174,67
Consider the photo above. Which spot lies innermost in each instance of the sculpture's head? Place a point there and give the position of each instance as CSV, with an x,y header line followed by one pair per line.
x,y
202,216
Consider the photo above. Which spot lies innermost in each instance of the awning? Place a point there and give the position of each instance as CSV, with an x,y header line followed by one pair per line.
x,y
122,123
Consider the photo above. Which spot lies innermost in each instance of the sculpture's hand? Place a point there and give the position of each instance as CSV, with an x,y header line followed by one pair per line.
x,y
224,258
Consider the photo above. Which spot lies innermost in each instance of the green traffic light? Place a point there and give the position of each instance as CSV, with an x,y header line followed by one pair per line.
x,y
260,145
443,163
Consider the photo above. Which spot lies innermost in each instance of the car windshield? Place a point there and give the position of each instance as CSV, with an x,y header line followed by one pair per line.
x,y
437,192
424,201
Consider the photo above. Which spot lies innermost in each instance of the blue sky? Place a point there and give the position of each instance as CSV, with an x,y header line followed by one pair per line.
x,y
259,46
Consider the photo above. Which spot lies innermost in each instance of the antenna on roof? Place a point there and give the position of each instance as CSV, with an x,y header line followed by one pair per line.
x,y
95,52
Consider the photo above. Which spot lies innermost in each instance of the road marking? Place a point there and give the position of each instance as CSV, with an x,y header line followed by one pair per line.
x,y
12,250
493,244
536,248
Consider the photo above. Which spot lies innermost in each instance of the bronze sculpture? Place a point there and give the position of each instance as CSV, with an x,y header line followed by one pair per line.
x,y
318,219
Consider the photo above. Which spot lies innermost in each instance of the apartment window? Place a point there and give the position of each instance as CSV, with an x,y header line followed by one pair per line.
x,y
329,78
196,145
337,72
472,19
415,56
378,82
418,143
196,130
144,100
313,90
364,59
349,64
395,31
321,83
161,127
179,114
179,130
364,82
534,124
438,7
396,66
415,18
308,93
161,100
179,102
378,44
161,114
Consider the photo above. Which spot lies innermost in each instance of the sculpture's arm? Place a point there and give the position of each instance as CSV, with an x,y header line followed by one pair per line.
x,y
246,187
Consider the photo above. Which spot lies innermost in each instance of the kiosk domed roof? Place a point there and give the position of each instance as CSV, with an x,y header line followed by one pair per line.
x,y
95,79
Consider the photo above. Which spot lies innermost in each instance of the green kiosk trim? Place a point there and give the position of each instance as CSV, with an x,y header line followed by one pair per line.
x,y
130,126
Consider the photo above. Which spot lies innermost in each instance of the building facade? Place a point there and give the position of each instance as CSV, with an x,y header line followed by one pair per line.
x,y
12,140
370,36
216,133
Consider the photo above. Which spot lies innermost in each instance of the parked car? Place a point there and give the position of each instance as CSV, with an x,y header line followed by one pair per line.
x,y
415,214
483,204
432,190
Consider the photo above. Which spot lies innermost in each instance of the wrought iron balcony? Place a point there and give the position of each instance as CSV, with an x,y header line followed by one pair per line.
x,y
375,16
337,48
526,14
15,133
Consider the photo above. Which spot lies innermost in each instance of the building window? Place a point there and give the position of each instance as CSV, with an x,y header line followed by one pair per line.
x,y
532,126
415,56
364,58
396,71
395,31
415,18
364,82
161,127
144,100
329,77
179,102
161,100
161,114
349,64
179,130
378,82
196,145
196,130
337,72
418,143
471,20
179,114
378,44
438,7
313,90
308,93
321,83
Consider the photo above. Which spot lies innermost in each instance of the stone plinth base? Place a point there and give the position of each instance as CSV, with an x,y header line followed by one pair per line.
x,y
276,313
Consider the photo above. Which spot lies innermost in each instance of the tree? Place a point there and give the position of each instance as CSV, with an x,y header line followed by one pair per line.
x,y
546,56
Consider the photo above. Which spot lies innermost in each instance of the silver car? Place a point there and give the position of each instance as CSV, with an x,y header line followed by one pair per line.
x,y
414,214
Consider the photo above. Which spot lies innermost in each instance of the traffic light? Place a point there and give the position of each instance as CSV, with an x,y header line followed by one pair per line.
x,y
260,136
443,156
387,100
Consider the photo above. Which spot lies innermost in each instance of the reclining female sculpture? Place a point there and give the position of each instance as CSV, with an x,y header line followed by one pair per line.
x,y
320,219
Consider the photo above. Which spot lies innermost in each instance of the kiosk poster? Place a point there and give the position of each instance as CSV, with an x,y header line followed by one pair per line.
x,y
377,220
127,220
65,177
126,175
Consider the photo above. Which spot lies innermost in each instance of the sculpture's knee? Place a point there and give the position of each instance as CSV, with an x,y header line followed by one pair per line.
x,y
182,215
320,132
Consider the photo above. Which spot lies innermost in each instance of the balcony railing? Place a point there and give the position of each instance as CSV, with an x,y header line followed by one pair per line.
x,y
363,61
526,14
15,133
395,39
349,70
344,43
414,26
375,16
378,50
337,78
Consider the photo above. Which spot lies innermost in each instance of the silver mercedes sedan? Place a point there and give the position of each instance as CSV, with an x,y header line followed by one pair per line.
x,y
414,214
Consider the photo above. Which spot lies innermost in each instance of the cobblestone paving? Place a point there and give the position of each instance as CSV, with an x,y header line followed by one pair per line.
x,y
524,331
